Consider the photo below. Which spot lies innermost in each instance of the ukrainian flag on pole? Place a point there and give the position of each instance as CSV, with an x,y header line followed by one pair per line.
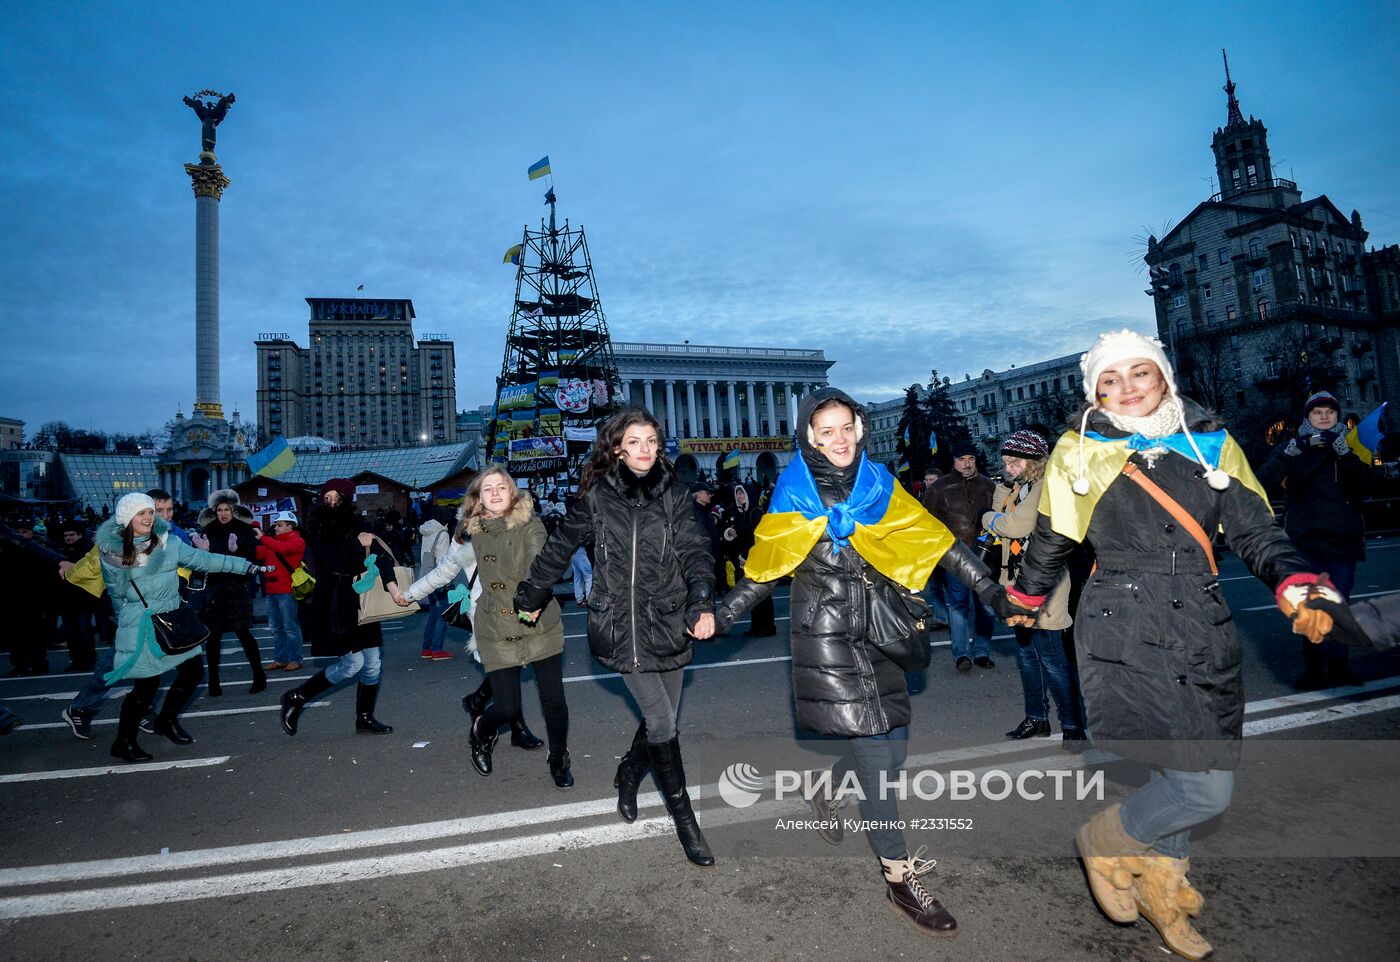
x,y
1365,439
539,168
513,255
274,460
731,460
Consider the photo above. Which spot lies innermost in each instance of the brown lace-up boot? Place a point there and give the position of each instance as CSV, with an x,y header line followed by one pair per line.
x,y
911,900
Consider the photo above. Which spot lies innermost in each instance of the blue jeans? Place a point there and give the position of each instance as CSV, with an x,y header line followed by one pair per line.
x,y
286,631
95,691
937,595
1163,812
583,576
434,628
1040,654
365,663
969,622
871,756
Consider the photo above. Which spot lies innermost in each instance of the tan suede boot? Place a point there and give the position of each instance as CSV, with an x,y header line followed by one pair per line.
x,y
1111,859
1164,898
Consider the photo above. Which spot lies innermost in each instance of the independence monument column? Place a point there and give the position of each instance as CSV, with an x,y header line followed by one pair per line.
x,y
209,183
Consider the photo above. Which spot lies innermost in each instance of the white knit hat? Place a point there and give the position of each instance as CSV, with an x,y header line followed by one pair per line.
x,y
130,506
1115,346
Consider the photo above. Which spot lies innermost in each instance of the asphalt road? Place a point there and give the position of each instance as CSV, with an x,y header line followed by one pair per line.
x,y
332,846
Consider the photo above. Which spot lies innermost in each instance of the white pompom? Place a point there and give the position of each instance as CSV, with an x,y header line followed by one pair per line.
x,y
1217,479
1080,486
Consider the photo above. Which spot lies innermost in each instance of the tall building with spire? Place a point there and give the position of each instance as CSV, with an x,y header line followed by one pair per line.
x,y
1262,296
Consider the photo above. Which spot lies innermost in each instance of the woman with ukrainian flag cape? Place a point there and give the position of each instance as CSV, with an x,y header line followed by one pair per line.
x,y
1149,479
856,544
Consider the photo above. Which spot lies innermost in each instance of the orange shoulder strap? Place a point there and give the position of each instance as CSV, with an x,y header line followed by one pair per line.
x,y
1174,508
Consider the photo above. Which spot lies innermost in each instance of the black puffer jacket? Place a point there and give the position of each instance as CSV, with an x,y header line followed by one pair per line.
x,y
1159,660
653,574
1324,490
842,683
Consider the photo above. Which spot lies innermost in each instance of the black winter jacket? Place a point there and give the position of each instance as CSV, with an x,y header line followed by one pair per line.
x,y
842,683
1324,490
653,574
1159,660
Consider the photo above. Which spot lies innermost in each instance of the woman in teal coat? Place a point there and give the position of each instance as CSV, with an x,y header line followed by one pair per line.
x,y
141,560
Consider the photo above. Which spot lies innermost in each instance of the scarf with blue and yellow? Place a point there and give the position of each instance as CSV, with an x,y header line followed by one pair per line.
x,y
879,519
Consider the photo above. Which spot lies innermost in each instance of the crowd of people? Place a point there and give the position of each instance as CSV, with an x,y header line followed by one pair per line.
x,y
1099,547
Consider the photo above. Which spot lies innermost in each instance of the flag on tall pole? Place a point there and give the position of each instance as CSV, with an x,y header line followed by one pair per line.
x,y
1365,438
731,460
539,168
513,255
274,460
932,442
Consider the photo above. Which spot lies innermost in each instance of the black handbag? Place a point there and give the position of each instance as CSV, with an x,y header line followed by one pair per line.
x,y
899,623
178,631
457,614
197,593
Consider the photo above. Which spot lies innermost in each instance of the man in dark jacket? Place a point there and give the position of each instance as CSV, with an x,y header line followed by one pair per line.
x,y
1324,483
959,500
30,590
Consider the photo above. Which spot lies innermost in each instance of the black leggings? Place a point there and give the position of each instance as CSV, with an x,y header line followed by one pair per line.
x,y
250,650
143,693
505,704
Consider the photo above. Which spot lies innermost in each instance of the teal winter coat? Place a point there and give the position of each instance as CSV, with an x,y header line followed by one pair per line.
x,y
135,652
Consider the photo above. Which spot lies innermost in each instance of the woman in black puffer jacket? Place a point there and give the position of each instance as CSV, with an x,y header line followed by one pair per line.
x,y
653,590
866,548
225,523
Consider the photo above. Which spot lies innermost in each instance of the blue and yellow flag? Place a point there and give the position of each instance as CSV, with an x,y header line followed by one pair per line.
x,y
932,442
1104,457
1365,438
906,437
513,255
731,460
882,521
539,168
274,460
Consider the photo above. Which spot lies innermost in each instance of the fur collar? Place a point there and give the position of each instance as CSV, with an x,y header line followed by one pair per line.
x,y
109,541
646,488
516,517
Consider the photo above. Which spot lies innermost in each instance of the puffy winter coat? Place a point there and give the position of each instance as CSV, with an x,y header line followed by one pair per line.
x,y
282,553
433,544
842,683
336,558
960,502
232,607
1324,491
157,578
653,574
502,550
1159,660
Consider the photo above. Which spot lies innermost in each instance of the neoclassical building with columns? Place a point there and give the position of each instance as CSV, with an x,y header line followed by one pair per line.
x,y
714,399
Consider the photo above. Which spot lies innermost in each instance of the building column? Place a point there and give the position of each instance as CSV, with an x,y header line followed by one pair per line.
x,y
690,409
754,429
646,395
772,411
791,390
714,410
627,391
671,431
730,389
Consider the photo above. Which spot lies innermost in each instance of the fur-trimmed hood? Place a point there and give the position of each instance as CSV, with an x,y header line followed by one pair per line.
x,y
224,496
517,517
641,489
109,540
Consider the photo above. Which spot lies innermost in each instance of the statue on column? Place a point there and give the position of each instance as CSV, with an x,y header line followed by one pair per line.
x,y
210,115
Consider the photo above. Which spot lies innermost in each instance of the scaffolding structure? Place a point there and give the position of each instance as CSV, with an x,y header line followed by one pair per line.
x,y
558,379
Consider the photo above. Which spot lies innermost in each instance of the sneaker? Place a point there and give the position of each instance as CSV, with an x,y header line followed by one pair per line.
x,y
442,655
80,722
426,654
148,726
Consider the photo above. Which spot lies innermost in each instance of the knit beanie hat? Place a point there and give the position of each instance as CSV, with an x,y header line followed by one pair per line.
x,y
342,485
1115,346
1025,444
1322,399
130,506
962,449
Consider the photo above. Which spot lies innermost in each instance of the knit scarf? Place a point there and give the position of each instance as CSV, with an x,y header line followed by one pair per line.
x,y
1306,430
1160,423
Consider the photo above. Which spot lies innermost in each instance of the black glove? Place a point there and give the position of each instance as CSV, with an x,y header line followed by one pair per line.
x,y
1345,627
723,622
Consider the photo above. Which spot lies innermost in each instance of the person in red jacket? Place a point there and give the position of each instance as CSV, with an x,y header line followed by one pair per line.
x,y
282,551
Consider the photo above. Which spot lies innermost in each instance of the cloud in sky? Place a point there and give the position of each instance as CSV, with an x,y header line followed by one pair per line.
x,y
904,186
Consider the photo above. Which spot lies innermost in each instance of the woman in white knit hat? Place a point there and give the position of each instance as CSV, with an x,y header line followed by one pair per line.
x,y
1148,479
140,566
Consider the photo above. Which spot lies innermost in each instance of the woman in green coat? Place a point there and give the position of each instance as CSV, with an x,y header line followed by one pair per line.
x,y
140,560
505,536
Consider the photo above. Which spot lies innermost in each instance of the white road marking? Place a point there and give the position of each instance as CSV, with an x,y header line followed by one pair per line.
x,y
122,769
1368,594
185,716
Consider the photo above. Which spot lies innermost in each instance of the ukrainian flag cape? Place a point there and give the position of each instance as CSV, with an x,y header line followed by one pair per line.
x,y
880,520
1104,458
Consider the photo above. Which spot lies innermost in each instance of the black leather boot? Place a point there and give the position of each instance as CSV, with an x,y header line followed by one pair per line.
x,y
365,722
1030,728
559,769
630,772
167,722
481,745
127,750
670,775
909,897
295,700
125,747
475,703
213,652
522,737
254,656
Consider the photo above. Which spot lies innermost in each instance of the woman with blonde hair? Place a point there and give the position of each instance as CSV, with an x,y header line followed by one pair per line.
x,y
505,536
